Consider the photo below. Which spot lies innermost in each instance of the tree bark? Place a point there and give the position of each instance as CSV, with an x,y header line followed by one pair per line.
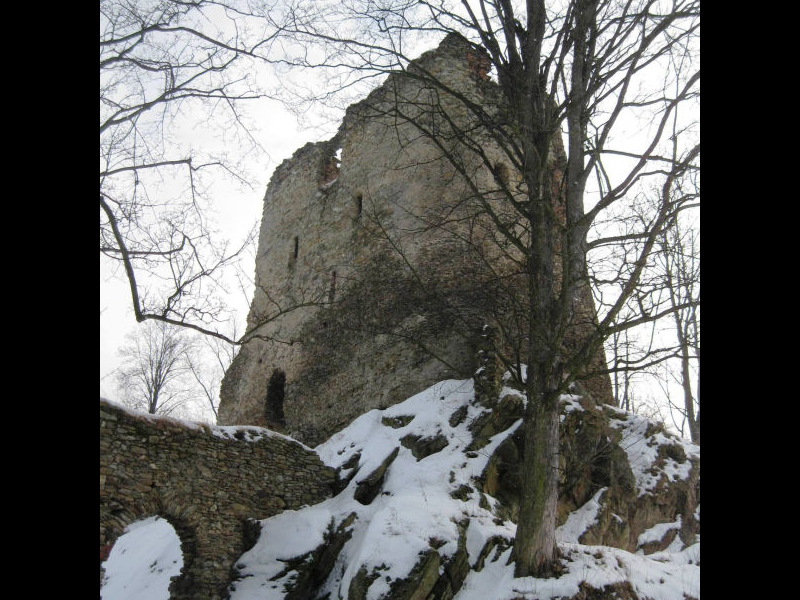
x,y
535,542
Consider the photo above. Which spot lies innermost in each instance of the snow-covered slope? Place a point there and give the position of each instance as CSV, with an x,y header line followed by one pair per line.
x,y
409,526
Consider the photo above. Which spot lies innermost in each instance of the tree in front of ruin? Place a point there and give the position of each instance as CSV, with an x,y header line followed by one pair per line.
x,y
589,68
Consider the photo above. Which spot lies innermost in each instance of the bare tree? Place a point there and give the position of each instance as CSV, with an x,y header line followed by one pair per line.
x,y
153,375
207,361
681,263
586,66
167,66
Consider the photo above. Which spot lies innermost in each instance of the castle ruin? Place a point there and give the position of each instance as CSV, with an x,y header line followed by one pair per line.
x,y
375,269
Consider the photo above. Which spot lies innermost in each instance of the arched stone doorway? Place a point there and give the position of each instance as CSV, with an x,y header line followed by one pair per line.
x,y
118,520
142,561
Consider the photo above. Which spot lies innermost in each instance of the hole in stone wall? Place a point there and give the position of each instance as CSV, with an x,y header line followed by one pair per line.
x,y
359,204
329,171
273,406
502,172
296,245
142,561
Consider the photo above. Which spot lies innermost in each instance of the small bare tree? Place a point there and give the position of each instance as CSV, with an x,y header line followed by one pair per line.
x,y
681,263
153,376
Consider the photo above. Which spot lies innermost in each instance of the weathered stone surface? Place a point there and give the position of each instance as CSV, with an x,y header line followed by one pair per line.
x,y
420,581
592,458
421,447
397,422
207,486
369,487
325,234
313,568
613,591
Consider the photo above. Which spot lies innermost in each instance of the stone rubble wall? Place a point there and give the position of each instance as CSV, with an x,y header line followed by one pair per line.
x,y
208,482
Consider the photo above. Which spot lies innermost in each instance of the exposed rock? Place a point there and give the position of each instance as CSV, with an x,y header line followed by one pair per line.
x,y
488,377
360,584
458,416
397,422
604,501
613,591
497,543
421,447
455,571
420,581
369,487
506,412
592,458
351,466
312,569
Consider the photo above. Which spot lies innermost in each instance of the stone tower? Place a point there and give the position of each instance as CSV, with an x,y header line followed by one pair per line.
x,y
375,261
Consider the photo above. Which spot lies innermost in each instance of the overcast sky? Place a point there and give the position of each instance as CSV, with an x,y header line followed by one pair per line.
x,y
237,209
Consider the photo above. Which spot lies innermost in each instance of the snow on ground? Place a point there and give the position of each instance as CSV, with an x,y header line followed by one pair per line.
x,y
142,561
415,508
657,532
596,565
580,520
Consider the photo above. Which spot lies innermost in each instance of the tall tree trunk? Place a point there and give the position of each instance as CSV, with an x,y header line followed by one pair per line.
x,y
535,543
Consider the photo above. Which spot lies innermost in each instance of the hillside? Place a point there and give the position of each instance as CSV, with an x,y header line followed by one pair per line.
x,y
426,505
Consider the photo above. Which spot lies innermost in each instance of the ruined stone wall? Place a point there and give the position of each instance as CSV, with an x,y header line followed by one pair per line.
x,y
344,246
206,481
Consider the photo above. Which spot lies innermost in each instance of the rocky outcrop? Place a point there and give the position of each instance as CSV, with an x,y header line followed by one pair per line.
x,y
593,458
437,508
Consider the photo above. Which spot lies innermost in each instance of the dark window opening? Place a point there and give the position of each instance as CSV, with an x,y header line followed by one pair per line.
x,y
502,172
359,204
332,292
276,392
296,245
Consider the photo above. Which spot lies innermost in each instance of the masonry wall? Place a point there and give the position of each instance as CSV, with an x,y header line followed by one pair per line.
x,y
342,248
208,482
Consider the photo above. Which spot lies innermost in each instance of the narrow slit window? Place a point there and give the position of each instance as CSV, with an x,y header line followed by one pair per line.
x,y
296,245
273,407
359,204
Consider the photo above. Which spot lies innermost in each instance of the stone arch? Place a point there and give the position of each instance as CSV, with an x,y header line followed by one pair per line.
x,y
191,476
116,518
